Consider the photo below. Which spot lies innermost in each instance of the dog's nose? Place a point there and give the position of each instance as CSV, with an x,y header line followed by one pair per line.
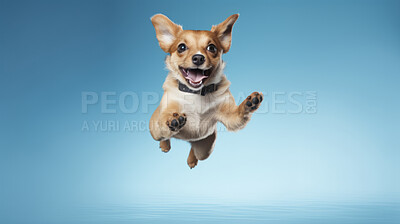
x,y
198,59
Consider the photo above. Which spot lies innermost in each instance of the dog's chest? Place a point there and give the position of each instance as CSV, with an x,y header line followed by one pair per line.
x,y
200,112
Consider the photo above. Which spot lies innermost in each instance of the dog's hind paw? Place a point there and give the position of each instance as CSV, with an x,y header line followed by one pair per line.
x,y
176,121
253,101
192,164
165,145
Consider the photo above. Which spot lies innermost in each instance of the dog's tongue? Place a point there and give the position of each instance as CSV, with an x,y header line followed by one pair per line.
x,y
195,75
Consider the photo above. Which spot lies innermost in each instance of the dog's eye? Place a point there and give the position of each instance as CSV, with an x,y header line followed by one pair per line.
x,y
181,48
212,48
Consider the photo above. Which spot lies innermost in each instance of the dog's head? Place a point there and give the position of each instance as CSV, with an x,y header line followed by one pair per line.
x,y
195,55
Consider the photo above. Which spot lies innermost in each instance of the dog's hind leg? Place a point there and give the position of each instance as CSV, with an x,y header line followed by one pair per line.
x,y
192,160
165,145
201,149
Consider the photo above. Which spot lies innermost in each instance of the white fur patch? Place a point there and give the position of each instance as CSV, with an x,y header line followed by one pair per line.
x,y
199,109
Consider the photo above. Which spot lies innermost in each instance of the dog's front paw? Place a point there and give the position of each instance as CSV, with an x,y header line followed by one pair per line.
x,y
176,121
253,102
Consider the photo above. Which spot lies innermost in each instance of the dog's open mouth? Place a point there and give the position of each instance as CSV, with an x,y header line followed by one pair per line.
x,y
195,77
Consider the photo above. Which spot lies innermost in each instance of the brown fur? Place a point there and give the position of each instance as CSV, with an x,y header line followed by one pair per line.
x,y
197,115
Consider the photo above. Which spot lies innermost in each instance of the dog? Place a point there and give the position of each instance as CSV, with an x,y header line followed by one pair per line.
x,y
196,92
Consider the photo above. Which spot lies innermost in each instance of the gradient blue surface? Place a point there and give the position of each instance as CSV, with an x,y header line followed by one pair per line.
x,y
339,165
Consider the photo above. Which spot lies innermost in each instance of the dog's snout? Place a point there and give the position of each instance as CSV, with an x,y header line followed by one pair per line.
x,y
198,59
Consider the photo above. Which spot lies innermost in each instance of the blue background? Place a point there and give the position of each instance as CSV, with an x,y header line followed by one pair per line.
x,y
340,164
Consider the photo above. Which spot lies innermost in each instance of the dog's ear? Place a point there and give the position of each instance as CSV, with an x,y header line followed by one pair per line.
x,y
166,31
224,31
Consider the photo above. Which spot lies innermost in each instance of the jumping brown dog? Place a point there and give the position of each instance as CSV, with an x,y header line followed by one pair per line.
x,y
196,92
